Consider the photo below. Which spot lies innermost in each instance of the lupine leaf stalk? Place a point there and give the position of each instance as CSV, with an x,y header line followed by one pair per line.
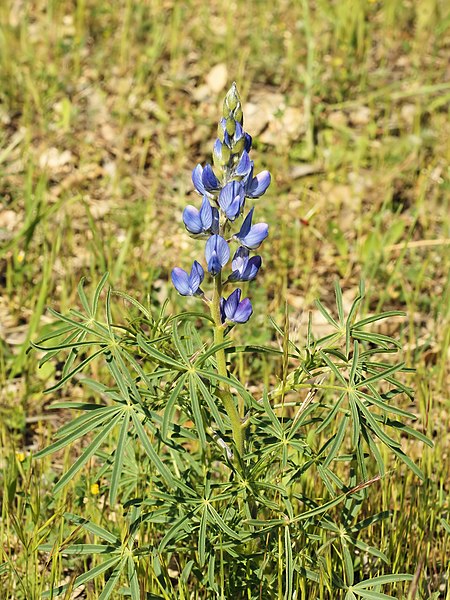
x,y
224,187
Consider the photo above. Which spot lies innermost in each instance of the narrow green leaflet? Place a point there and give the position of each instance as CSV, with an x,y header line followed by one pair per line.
x,y
119,456
85,577
289,564
76,370
171,404
112,582
337,442
383,580
151,452
97,530
133,579
160,357
197,411
326,314
202,536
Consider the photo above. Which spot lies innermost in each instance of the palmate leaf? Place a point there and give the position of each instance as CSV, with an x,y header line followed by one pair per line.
x,y
88,452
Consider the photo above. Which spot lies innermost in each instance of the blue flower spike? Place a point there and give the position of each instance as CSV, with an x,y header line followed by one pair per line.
x,y
252,236
188,285
244,268
236,310
224,187
217,254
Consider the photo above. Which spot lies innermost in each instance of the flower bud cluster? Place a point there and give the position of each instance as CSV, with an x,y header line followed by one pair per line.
x,y
224,188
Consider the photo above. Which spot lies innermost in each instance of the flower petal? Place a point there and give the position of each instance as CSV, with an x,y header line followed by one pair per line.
x,y
244,165
180,280
209,180
197,180
239,132
215,220
243,312
192,220
214,266
232,303
223,250
256,235
248,142
240,259
222,310
252,268
217,253
206,215
246,225
196,277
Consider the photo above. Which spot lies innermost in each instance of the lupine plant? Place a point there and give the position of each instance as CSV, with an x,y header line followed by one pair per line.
x,y
223,202
210,490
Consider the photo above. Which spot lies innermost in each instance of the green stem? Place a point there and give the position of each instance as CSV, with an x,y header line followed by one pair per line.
x,y
224,390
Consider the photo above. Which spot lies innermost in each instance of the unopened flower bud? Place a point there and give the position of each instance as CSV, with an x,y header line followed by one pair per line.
x,y
220,131
238,115
232,100
239,147
230,126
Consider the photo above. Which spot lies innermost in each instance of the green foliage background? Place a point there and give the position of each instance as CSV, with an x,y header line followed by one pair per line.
x,y
105,108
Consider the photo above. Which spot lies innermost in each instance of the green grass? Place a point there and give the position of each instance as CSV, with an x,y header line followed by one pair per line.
x,y
105,109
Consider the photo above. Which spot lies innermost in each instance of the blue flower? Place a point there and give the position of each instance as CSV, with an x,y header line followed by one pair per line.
x,y
217,254
235,310
231,199
252,236
244,268
204,180
188,285
256,186
201,221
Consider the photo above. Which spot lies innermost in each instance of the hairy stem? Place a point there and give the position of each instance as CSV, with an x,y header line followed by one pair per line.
x,y
224,390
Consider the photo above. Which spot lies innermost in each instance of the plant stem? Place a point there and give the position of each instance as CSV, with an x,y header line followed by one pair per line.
x,y
224,390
